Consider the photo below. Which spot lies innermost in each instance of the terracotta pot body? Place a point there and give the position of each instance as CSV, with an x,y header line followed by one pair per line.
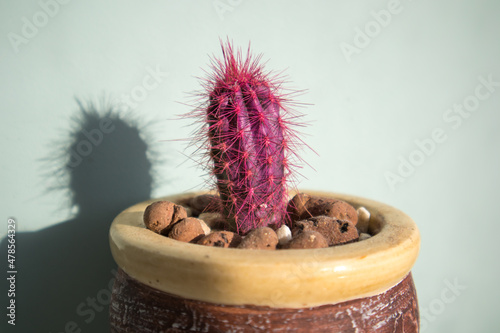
x,y
169,286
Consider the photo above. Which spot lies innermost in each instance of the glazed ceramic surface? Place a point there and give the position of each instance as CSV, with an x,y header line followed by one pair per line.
x,y
136,307
277,279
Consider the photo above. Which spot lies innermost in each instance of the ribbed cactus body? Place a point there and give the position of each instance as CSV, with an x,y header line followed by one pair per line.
x,y
250,142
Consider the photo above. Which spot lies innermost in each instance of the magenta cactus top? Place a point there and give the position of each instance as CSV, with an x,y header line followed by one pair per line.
x,y
251,140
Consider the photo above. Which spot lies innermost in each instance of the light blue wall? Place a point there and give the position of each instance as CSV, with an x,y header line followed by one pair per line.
x,y
372,99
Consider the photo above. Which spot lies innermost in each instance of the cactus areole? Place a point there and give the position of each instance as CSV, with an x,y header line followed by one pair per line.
x,y
250,141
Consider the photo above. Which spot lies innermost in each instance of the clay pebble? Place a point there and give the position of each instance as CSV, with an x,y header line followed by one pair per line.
x,y
335,231
187,230
213,220
303,206
263,238
221,239
307,240
297,206
161,214
189,211
205,203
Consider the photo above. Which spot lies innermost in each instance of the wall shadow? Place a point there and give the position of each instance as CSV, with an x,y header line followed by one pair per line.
x,y
65,271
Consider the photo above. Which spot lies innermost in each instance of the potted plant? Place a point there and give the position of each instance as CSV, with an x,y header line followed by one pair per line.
x,y
175,284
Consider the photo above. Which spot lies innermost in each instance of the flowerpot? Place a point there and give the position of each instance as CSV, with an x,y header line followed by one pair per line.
x,y
165,285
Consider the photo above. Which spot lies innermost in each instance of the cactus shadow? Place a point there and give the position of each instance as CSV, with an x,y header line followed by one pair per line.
x,y
65,271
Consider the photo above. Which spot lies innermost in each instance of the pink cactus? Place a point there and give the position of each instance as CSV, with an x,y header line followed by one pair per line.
x,y
251,140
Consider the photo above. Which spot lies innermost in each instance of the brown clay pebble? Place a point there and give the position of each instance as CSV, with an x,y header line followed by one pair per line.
x,y
187,230
297,206
221,239
343,211
263,238
335,231
205,203
161,214
316,206
189,211
307,240
213,220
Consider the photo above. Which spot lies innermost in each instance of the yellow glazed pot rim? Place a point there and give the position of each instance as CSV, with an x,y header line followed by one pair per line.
x,y
281,278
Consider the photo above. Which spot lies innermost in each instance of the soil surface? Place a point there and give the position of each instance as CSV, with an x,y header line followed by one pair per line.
x,y
314,222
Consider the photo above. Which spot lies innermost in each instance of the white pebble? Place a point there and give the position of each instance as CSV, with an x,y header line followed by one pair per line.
x,y
363,213
211,218
205,227
363,220
363,236
284,234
